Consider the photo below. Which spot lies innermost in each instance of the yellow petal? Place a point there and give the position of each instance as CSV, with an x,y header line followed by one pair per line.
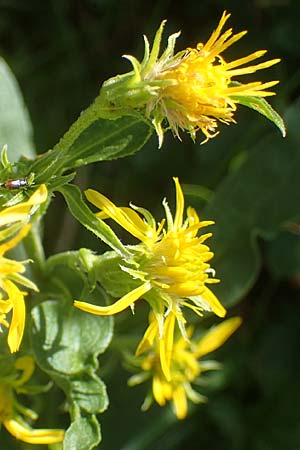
x,y
20,211
137,221
8,266
216,33
131,223
158,391
180,402
215,304
26,364
216,336
241,61
39,196
14,213
148,338
116,307
166,345
31,436
179,205
15,240
5,306
3,320
17,324
252,69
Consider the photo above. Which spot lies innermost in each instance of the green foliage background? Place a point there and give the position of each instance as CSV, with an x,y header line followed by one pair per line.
x,y
60,52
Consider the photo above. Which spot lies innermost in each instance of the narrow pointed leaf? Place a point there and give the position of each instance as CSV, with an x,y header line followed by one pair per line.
x,y
84,215
260,105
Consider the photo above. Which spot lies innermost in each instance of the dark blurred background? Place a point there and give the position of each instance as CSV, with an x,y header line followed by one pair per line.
x,y
60,52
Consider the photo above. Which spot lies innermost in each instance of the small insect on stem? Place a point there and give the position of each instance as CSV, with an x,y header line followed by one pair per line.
x,y
17,183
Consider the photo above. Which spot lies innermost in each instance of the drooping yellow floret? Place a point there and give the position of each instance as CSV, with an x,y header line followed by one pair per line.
x,y
186,366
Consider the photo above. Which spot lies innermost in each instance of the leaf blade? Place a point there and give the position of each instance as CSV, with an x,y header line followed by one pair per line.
x,y
15,126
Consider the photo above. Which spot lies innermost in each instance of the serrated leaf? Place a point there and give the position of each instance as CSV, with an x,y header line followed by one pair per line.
x,y
15,125
256,200
260,105
83,434
84,215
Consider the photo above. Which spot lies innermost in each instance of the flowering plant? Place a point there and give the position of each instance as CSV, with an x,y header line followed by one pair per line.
x,y
58,316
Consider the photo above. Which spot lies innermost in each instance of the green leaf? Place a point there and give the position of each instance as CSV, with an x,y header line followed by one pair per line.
x,y
263,107
108,272
83,434
197,191
72,272
256,200
58,181
84,215
93,140
108,139
15,125
89,393
66,343
283,254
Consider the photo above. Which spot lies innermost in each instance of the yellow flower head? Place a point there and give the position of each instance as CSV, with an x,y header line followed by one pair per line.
x,y
185,367
171,265
193,89
13,228
10,410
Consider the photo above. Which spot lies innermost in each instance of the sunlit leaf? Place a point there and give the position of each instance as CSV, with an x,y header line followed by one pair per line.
x,y
260,105
84,215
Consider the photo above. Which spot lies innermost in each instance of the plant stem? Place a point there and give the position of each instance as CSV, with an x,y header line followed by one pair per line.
x,y
35,250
